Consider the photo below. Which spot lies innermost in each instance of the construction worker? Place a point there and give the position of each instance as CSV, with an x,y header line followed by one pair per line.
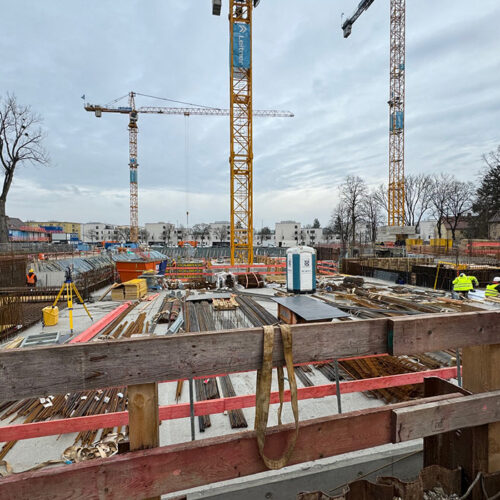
x,y
31,278
493,290
462,285
473,281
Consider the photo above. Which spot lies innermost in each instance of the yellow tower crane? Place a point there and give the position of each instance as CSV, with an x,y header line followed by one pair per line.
x,y
241,152
396,193
133,113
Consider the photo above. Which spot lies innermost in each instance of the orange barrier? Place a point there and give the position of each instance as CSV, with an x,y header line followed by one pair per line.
x,y
182,410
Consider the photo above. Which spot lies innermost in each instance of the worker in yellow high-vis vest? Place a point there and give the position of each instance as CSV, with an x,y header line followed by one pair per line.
x,y
493,289
462,285
473,281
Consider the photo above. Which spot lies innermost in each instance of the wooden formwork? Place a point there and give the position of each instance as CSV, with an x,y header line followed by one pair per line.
x,y
143,362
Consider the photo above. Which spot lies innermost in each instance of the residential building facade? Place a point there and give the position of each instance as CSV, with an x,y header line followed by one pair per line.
x,y
95,232
160,233
67,227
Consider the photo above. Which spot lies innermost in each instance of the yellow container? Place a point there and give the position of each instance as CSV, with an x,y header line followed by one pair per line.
x,y
441,242
50,315
413,242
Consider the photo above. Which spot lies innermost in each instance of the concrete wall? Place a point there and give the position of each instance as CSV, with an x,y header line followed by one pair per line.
x,y
403,461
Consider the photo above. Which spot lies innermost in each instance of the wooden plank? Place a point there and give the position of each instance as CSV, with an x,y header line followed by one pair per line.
x,y
18,432
143,416
96,327
148,473
481,373
464,448
435,332
25,372
144,424
429,419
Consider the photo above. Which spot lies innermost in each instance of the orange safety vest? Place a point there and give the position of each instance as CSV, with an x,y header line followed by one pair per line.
x,y
30,278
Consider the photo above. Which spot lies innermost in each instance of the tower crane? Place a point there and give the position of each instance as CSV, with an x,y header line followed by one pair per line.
x,y
241,147
396,193
133,113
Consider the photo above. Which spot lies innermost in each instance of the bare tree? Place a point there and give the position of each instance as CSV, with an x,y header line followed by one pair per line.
x,y
372,214
328,233
352,192
264,234
380,197
418,198
439,198
167,233
92,234
341,224
21,140
143,235
459,201
123,233
221,233
201,231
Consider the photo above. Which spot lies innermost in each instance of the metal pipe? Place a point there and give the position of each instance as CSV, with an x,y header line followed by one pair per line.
x,y
459,370
337,383
191,407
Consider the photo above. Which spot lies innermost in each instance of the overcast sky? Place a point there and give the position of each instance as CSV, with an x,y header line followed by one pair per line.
x,y
54,52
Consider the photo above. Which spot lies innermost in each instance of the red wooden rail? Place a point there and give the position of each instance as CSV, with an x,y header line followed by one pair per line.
x,y
94,329
182,410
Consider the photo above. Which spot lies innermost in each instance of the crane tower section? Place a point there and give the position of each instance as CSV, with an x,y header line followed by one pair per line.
x,y
134,198
396,194
241,152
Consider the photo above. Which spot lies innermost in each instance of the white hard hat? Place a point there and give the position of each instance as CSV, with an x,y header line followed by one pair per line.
x,y
496,279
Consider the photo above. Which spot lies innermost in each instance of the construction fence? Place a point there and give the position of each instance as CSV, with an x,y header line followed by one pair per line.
x,y
419,271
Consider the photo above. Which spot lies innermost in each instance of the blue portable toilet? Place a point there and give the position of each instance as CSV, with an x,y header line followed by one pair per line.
x,y
301,269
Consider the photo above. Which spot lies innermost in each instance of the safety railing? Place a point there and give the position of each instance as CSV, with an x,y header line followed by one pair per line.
x,y
141,363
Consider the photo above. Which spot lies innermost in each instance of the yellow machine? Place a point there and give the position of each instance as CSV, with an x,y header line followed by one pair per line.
x,y
51,314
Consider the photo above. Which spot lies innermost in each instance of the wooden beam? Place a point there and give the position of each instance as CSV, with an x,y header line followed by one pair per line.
x,y
17,432
482,373
464,448
148,473
435,332
144,424
429,419
143,416
25,372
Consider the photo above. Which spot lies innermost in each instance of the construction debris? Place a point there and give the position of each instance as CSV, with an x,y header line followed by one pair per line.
x,y
225,304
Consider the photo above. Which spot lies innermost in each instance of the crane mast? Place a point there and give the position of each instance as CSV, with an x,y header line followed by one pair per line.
x,y
241,147
396,194
396,190
134,197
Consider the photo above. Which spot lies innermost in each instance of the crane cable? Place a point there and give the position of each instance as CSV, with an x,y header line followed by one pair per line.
x,y
178,102
186,163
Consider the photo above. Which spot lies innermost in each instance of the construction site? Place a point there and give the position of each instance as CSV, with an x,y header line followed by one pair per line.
x,y
139,366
